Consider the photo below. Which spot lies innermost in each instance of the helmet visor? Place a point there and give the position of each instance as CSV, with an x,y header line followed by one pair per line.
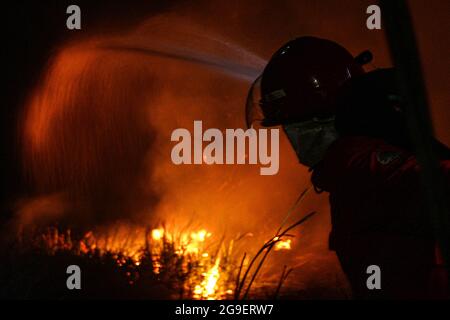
x,y
253,112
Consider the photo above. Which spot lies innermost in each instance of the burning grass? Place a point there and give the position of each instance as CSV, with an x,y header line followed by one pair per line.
x,y
188,264
159,261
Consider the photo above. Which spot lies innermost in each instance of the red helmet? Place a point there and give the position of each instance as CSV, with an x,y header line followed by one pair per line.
x,y
301,81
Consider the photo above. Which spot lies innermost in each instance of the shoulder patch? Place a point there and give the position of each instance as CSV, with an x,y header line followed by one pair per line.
x,y
386,157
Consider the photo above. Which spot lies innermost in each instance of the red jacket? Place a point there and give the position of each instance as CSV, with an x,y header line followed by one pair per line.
x,y
378,212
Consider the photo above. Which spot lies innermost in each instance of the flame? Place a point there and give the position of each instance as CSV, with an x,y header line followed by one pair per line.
x,y
206,269
282,244
192,247
157,234
207,289
200,235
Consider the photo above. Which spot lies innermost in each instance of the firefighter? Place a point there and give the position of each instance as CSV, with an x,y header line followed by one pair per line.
x,y
347,127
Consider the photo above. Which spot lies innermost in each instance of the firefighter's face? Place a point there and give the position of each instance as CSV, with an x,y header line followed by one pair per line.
x,y
311,139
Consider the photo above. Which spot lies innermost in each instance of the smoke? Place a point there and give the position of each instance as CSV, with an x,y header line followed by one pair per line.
x,y
98,127
96,138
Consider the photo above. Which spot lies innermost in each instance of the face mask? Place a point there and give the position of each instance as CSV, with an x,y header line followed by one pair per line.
x,y
311,139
